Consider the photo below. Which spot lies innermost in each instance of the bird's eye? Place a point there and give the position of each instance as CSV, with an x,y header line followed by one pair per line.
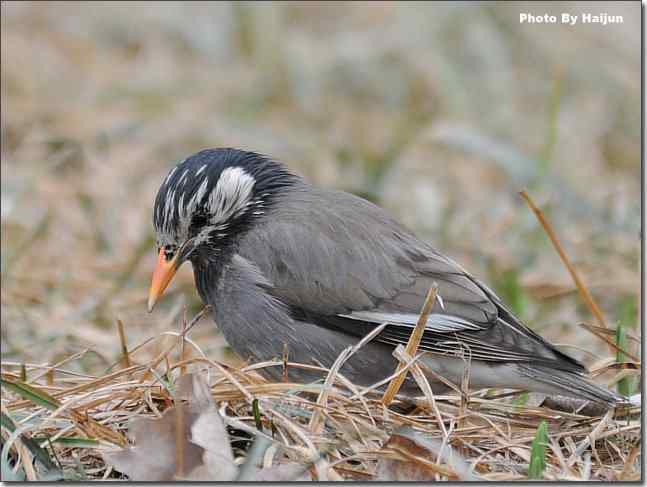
x,y
169,252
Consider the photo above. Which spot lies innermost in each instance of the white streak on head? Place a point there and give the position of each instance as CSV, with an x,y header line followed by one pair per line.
x,y
199,194
168,206
168,178
204,166
231,196
186,210
183,177
181,209
232,193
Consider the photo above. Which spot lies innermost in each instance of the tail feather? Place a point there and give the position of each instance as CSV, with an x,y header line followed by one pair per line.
x,y
571,384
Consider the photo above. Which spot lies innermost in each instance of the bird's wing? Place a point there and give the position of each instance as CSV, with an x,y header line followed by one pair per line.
x,y
342,262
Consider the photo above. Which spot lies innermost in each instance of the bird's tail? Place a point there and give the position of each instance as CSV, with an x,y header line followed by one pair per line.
x,y
571,384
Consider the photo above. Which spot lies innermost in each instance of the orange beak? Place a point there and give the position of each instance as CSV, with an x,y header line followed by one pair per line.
x,y
162,275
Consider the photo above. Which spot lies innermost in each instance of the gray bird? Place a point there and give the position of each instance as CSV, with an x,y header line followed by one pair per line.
x,y
284,263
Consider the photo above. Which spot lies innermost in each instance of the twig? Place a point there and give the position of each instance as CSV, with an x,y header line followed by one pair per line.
x,y
423,383
196,318
629,463
412,344
614,348
286,377
591,437
316,420
586,295
610,333
122,340
465,381
55,366
26,460
179,439
183,343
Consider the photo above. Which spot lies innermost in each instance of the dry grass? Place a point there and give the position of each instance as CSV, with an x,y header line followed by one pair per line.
x,y
87,414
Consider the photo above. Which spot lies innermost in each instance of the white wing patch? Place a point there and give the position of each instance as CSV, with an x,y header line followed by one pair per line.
x,y
437,322
231,194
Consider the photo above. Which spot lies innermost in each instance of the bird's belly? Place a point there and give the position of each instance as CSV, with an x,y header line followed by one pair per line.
x,y
309,344
481,374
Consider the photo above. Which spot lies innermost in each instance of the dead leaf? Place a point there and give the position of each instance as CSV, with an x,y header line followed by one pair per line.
x,y
153,457
210,433
389,470
250,471
206,448
409,455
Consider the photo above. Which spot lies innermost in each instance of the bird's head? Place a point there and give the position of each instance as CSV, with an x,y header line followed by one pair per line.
x,y
206,202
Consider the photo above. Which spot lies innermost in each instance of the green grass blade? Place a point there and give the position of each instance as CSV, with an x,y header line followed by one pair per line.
x,y
5,464
521,400
626,385
75,442
257,415
32,394
32,445
538,453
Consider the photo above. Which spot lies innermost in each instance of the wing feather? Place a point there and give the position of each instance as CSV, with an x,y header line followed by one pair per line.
x,y
341,262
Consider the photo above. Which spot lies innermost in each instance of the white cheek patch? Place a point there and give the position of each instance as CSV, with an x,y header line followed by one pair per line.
x,y
231,194
230,197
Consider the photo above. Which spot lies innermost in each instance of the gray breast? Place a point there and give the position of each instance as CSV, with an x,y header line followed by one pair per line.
x,y
258,327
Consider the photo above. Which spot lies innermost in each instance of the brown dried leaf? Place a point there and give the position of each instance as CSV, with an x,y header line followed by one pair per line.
x,y
412,456
153,456
205,439
206,449
389,470
210,433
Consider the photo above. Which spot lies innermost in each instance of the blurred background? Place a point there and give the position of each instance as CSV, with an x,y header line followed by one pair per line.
x,y
439,112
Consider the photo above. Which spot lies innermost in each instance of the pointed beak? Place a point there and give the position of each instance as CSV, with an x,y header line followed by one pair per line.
x,y
162,275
